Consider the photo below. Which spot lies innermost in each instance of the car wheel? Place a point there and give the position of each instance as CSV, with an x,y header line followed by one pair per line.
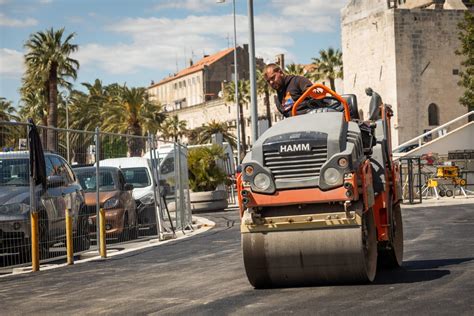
x,y
82,240
25,253
43,240
43,235
125,235
133,234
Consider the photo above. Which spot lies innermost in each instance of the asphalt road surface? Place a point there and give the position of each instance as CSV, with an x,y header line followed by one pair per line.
x,y
204,275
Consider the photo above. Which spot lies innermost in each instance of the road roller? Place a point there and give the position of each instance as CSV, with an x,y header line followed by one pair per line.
x,y
319,196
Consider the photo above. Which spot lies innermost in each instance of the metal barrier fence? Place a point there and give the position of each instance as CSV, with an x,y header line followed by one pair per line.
x,y
138,184
411,178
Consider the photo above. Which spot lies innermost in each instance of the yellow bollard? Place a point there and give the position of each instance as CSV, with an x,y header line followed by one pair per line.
x,y
103,246
69,243
34,242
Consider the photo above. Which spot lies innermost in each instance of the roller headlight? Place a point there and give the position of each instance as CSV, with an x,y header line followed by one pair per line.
x,y
262,181
332,176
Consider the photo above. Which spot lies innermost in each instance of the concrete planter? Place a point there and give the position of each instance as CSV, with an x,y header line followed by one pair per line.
x,y
208,201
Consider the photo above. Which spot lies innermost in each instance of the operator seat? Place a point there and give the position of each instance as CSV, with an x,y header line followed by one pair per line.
x,y
351,100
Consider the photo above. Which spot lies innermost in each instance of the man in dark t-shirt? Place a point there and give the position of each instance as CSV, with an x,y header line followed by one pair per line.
x,y
288,87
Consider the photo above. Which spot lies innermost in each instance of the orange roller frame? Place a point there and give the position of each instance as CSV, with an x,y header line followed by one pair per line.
x,y
310,92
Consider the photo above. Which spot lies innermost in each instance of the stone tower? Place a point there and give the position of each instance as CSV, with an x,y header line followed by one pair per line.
x,y
405,50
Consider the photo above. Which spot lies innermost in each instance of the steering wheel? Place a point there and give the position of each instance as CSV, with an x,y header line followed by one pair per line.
x,y
318,92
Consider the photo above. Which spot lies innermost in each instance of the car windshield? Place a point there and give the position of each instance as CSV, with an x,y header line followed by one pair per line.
x,y
14,172
137,176
87,179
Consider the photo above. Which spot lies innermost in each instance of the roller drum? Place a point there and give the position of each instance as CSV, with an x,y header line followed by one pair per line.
x,y
318,256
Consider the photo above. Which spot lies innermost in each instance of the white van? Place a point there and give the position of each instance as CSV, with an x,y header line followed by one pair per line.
x,y
138,171
166,160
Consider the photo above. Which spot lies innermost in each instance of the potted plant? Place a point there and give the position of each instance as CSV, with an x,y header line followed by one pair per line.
x,y
206,178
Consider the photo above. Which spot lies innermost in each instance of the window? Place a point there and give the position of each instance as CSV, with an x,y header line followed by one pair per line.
x,y
228,108
60,169
433,114
167,166
139,177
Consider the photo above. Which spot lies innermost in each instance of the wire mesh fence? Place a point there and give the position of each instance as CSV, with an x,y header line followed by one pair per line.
x,y
139,182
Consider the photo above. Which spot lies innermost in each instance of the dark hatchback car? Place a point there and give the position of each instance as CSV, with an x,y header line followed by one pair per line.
x,y
63,191
115,197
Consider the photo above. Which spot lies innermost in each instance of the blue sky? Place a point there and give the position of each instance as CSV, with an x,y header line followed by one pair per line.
x,y
136,41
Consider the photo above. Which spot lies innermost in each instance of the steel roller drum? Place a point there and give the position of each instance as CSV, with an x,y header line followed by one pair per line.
x,y
304,257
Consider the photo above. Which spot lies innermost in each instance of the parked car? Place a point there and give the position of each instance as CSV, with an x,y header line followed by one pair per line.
x,y
138,172
165,156
63,191
115,197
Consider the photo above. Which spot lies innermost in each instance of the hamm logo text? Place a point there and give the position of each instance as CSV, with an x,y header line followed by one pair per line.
x,y
294,147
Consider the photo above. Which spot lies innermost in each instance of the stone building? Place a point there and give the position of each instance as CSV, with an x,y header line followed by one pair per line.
x,y
201,81
405,50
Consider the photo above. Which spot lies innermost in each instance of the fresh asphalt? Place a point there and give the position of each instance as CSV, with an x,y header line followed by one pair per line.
x,y
204,275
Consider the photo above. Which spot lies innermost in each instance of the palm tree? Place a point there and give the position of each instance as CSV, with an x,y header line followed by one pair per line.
x,y
243,87
34,100
7,111
193,135
130,111
295,69
173,129
85,114
214,127
85,107
263,88
329,65
48,63
8,133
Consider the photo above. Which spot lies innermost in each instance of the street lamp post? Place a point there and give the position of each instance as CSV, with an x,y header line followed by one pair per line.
x,y
253,81
236,85
67,131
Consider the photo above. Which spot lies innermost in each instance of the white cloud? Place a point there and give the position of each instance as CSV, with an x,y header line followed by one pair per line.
x,y
192,5
11,63
6,21
157,43
45,1
314,8
2,2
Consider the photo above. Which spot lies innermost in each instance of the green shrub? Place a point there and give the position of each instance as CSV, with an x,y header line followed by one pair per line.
x,y
204,173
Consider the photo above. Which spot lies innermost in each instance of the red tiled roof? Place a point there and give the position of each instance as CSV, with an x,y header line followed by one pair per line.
x,y
206,61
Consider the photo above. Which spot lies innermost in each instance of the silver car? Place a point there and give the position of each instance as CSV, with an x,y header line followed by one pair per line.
x,y
63,191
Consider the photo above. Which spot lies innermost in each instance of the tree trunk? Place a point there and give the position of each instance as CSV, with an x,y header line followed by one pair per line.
x,y
266,100
135,144
243,141
52,142
331,83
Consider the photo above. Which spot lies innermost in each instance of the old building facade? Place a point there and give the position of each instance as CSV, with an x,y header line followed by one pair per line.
x,y
405,50
201,81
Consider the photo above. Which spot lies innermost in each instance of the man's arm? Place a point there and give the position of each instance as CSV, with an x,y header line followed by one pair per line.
x,y
303,83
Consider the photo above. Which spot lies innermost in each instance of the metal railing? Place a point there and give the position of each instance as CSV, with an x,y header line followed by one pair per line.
x,y
137,185
419,139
